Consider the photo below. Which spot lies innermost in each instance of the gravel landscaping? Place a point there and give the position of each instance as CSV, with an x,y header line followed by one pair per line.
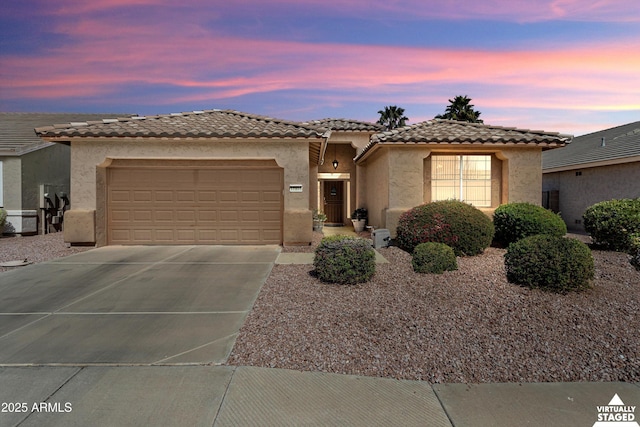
x,y
468,326
35,249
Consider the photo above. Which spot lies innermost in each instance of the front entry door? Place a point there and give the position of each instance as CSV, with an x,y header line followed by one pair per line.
x,y
333,201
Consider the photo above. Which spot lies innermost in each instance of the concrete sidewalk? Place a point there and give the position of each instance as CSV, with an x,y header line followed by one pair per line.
x,y
246,396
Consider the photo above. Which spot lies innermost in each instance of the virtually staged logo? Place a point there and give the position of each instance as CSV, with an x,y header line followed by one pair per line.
x,y
616,414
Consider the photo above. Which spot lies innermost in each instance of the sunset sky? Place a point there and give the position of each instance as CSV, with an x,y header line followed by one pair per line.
x,y
570,66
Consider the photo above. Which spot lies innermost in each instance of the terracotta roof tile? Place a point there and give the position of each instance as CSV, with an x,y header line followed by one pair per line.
x,y
345,125
439,131
196,124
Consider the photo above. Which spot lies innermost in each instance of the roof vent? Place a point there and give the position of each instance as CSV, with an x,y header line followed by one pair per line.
x,y
603,142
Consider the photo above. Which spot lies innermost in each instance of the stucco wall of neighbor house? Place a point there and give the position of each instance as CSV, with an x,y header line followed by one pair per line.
x,y
581,188
12,182
292,155
51,166
377,188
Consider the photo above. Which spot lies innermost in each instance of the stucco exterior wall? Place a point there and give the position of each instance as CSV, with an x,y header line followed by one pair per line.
x,y
12,182
49,166
581,188
377,188
292,155
524,175
400,174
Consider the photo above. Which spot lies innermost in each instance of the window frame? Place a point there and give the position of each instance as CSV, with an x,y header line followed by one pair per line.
x,y
461,183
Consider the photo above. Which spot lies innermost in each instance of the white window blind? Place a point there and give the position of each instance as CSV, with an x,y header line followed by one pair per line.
x,y
466,178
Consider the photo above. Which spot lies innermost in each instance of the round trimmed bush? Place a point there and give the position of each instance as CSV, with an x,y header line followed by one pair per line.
x,y
345,260
553,263
433,257
612,222
515,221
3,217
457,224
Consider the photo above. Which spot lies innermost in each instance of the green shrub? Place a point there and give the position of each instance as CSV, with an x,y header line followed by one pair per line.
x,y
463,227
3,218
611,223
550,262
433,257
515,221
345,260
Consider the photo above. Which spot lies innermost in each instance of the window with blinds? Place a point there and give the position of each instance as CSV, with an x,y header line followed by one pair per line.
x,y
466,178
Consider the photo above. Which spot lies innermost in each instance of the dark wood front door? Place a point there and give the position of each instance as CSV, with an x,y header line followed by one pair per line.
x,y
333,201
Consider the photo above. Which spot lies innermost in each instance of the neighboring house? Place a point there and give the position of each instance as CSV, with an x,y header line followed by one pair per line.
x,y
595,167
226,177
27,163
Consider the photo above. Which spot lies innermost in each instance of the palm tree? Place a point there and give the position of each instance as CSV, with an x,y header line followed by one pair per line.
x,y
392,117
460,109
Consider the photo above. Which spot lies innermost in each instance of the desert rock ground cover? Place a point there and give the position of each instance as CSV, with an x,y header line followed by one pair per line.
x,y
469,325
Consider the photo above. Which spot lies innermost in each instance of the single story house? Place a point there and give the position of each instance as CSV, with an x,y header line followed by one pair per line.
x,y
31,167
595,167
227,177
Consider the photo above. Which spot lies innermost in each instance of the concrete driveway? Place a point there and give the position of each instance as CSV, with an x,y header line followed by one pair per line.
x,y
144,305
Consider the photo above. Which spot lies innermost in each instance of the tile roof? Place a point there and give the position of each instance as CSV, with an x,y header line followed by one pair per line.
x,y
196,124
620,143
16,130
452,132
345,125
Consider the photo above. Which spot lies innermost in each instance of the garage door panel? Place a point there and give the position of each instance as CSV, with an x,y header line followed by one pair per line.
x,y
164,216
271,196
229,196
207,216
120,216
163,196
142,196
207,196
142,216
250,196
195,206
271,216
228,216
120,196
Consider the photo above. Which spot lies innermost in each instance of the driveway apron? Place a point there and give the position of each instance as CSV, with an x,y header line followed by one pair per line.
x,y
131,305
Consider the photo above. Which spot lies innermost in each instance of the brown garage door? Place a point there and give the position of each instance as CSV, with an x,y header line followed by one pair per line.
x,y
210,205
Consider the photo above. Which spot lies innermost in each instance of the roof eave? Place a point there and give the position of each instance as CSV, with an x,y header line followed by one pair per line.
x,y
599,163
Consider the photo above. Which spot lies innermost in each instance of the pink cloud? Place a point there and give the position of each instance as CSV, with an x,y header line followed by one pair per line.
x,y
588,77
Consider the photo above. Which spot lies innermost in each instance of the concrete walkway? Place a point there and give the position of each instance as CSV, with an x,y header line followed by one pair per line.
x,y
139,337
246,396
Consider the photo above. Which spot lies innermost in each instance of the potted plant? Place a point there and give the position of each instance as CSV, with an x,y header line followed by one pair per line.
x,y
318,220
359,219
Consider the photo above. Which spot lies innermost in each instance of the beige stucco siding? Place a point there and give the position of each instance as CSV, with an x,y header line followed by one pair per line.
x,y
524,175
377,188
581,188
396,181
12,182
290,154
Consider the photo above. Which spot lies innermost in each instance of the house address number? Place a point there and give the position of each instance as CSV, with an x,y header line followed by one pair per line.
x,y
295,188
